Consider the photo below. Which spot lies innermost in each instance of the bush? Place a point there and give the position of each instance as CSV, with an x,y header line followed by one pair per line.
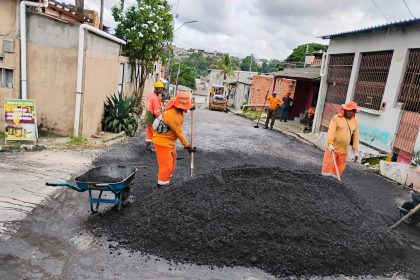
x,y
120,115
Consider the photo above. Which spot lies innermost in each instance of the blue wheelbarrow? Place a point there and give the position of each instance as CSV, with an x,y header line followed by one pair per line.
x,y
112,178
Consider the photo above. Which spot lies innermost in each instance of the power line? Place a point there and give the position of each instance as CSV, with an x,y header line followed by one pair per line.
x,y
379,9
408,9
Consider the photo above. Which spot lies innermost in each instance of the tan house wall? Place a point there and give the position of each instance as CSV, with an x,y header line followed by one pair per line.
x,y
8,31
8,17
51,68
100,80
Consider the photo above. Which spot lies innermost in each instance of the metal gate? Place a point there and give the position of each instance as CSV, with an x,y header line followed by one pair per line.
x,y
373,74
339,71
410,98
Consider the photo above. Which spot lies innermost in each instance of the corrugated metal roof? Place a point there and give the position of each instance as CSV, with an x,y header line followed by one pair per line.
x,y
310,73
400,23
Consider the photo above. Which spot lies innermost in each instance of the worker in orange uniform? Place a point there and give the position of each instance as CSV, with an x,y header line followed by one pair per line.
x,y
342,133
153,110
274,103
165,142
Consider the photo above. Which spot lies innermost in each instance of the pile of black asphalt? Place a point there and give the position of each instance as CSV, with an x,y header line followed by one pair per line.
x,y
288,223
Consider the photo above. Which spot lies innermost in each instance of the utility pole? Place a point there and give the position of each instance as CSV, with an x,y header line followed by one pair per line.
x,y
306,52
101,22
122,5
177,76
250,65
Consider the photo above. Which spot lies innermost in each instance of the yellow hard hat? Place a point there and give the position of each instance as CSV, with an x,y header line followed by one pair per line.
x,y
159,84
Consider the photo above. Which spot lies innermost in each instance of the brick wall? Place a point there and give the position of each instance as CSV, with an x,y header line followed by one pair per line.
x,y
260,85
285,85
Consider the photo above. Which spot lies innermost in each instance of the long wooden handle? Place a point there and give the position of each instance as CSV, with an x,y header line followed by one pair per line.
x,y
411,213
335,166
192,140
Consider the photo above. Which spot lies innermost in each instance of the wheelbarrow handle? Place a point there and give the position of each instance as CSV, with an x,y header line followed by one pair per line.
x,y
64,184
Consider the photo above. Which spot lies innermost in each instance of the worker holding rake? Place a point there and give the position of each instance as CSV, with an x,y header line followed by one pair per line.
x,y
167,131
342,133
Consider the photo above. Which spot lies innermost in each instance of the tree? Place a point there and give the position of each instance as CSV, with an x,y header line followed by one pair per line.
x,y
147,29
247,61
224,64
186,77
298,53
271,66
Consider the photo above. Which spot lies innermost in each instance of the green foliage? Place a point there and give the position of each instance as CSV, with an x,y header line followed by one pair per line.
x,y
298,53
120,115
186,77
2,135
148,30
251,114
224,64
77,141
247,61
271,66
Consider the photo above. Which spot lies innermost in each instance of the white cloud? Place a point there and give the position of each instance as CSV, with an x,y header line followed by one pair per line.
x,y
269,29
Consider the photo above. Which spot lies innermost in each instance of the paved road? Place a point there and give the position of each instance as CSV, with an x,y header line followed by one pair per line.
x,y
22,181
54,241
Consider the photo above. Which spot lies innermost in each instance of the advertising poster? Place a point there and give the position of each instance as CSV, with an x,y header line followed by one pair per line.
x,y
20,120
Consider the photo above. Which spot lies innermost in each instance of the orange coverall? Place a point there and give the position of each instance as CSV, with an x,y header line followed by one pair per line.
x,y
153,107
339,136
165,144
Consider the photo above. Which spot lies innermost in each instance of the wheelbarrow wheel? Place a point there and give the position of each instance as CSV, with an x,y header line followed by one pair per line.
x,y
95,209
126,193
413,220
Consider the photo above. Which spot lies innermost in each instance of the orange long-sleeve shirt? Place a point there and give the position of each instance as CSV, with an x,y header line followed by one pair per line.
x,y
175,120
273,102
339,134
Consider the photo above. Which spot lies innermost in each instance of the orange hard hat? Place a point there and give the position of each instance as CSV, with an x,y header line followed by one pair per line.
x,y
350,106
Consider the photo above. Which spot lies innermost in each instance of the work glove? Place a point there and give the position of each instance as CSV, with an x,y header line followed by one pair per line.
x,y
192,108
191,149
356,157
331,148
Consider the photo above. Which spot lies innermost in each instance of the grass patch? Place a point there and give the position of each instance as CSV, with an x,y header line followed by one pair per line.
x,y
373,160
76,142
251,114
2,135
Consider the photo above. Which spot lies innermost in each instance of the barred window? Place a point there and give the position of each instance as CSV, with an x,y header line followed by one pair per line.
x,y
339,71
371,81
410,86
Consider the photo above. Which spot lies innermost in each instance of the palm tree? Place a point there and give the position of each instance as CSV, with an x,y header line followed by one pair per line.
x,y
226,66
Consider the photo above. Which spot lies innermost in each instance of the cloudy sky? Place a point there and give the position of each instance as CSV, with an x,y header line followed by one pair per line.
x,y
270,29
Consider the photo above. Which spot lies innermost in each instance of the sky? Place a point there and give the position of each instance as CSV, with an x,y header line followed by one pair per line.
x,y
269,28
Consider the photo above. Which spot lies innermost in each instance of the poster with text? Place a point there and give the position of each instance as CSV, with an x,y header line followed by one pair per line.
x,y
20,120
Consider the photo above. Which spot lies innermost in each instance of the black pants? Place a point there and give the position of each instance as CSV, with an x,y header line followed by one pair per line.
x,y
271,114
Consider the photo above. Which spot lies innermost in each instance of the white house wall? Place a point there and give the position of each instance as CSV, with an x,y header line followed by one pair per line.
x,y
379,128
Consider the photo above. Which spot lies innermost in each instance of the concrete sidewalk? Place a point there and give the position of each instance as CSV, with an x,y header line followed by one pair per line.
x,y
22,181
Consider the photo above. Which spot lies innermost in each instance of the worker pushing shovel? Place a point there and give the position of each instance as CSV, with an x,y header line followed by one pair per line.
x,y
342,133
168,128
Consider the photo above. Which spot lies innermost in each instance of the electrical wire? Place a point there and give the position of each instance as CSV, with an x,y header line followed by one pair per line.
x,y
379,9
408,9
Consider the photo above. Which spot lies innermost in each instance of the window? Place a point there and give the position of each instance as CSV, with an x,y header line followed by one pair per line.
x,y
410,87
339,71
121,79
6,78
373,74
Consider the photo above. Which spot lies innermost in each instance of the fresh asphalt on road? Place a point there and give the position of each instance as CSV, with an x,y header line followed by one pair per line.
x,y
54,241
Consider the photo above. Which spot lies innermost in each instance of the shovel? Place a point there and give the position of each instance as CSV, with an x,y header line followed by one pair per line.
x,y
335,166
262,109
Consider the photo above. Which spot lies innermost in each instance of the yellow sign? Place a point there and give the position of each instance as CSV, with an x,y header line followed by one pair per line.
x,y
20,120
